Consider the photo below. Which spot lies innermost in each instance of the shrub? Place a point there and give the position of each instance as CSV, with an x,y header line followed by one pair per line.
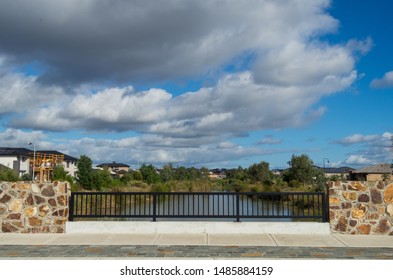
x,y
8,175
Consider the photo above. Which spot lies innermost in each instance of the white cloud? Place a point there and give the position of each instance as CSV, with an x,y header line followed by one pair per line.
x,y
358,160
385,82
269,140
358,138
19,93
373,148
282,70
18,138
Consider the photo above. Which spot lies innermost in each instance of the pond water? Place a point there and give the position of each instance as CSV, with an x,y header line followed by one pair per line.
x,y
217,207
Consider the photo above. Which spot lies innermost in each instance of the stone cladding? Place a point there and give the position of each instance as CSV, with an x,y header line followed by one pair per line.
x,y
33,208
361,207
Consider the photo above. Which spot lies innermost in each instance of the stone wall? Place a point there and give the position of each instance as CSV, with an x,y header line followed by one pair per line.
x,y
361,207
33,208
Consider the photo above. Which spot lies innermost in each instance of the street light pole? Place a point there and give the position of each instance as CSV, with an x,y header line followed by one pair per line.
x,y
324,162
32,175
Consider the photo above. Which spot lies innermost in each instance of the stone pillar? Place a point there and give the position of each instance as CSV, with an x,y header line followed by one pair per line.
x,y
361,207
34,208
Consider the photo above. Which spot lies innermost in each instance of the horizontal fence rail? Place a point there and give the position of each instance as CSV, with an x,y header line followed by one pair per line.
x,y
130,205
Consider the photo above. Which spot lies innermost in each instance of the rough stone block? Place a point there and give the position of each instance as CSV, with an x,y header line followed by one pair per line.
x,y
389,210
342,224
3,209
364,229
359,212
34,221
39,200
334,200
16,205
52,202
350,195
29,200
31,211
48,191
376,196
13,216
43,210
7,227
363,198
388,194
357,186
346,205
383,227
5,198
62,200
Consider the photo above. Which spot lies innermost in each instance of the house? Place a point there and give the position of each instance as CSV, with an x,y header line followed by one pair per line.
x,y
217,173
21,159
341,172
376,172
118,168
69,163
17,159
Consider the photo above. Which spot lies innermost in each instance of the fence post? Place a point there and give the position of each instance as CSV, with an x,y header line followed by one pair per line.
x,y
154,207
325,207
71,208
237,207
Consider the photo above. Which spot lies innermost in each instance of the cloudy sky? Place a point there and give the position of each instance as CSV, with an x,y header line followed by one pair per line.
x,y
216,83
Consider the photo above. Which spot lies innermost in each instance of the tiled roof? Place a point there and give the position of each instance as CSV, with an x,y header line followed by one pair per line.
x,y
113,164
343,169
5,151
380,168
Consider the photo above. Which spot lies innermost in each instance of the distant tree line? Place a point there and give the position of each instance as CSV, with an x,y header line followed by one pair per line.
x,y
301,174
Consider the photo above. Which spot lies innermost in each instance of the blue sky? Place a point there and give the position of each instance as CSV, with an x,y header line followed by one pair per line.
x,y
199,83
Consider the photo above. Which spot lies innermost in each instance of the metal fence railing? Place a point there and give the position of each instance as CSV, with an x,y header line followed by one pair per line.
x,y
128,205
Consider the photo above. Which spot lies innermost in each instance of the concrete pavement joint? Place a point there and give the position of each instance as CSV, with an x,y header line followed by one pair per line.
x,y
274,240
156,238
339,240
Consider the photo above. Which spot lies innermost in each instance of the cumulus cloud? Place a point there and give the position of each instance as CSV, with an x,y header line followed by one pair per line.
x,y
236,105
358,160
18,138
373,148
266,67
129,40
358,138
385,82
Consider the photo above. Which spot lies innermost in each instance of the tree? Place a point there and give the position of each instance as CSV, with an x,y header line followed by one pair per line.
x,y
167,173
84,175
59,173
260,173
100,179
149,174
303,171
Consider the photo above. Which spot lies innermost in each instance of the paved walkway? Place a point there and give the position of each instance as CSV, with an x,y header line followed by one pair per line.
x,y
211,246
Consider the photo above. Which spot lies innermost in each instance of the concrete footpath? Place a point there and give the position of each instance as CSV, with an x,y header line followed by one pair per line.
x,y
195,245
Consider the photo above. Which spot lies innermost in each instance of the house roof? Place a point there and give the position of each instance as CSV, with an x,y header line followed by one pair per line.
x,y
6,151
342,169
53,152
113,165
381,168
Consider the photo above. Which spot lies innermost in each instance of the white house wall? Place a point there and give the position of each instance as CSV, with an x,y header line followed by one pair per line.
x,y
9,162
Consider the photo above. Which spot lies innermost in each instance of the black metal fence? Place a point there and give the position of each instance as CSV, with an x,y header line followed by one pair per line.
x,y
135,205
